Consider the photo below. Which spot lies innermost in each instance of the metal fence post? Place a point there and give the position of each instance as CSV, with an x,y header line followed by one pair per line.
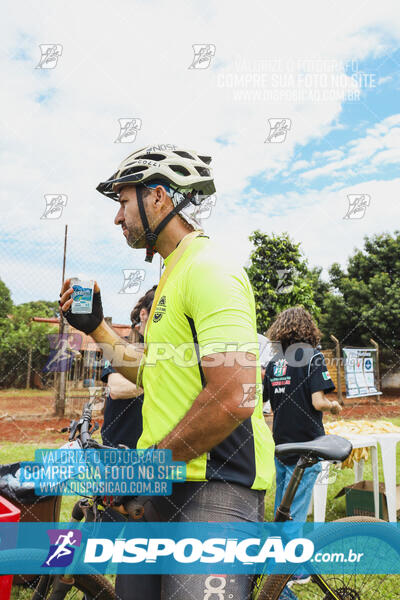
x,y
59,401
378,371
338,375
29,369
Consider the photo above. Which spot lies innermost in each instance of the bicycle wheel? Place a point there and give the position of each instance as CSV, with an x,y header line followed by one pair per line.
x,y
85,587
355,586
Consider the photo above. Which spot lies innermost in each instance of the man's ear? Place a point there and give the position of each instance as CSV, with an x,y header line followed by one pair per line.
x,y
161,198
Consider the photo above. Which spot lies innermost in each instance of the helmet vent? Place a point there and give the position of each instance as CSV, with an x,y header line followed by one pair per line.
x,y
154,156
133,170
183,154
205,159
203,171
180,170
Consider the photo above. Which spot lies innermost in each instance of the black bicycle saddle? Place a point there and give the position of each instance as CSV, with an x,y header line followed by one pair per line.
x,y
327,447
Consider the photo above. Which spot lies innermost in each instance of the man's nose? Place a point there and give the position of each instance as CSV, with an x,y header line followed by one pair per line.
x,y
119,216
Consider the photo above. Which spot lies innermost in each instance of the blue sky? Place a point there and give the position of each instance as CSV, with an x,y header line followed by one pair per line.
x,y
60,127
355,120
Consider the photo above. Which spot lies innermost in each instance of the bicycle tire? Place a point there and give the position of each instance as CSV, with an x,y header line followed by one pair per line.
x,y
274,584
94,585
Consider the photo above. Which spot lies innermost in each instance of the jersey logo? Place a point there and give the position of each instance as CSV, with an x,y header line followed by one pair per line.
x,y
326,375
280,390
160,309
280,368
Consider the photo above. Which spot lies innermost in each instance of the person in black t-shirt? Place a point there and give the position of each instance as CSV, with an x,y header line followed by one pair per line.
x,y
123,410
295,383
123,407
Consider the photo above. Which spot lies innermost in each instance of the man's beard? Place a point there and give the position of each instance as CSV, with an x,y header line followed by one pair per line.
x,y
133,238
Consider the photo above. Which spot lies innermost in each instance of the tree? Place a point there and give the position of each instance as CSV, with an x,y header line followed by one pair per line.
x,y
365,302
38,308
280,277
321,289
6,303
19,335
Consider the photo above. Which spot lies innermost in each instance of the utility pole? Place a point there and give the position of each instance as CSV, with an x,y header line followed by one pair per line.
x,y
59,407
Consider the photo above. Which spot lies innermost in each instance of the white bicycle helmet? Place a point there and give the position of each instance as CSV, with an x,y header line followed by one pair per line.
x,y
185,173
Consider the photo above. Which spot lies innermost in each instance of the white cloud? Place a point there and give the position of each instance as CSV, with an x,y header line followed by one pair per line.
x,y
331,155
391,156
317,222
300,165
383,80
379,146
131,60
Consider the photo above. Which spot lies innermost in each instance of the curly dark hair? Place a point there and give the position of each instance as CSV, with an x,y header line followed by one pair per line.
x,y
294,325
144,302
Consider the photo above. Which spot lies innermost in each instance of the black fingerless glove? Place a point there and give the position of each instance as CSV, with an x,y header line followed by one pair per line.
x,y
89,322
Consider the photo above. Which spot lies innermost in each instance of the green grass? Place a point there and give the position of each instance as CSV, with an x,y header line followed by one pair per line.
x,y
335,508
11,452
374,587
22,393
388,585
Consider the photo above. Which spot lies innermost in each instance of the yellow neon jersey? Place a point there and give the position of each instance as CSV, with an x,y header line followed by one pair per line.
x,y
206,303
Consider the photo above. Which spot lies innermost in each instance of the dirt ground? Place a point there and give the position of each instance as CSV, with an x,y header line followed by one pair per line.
x,y
25,431
29,419
369,408
42,404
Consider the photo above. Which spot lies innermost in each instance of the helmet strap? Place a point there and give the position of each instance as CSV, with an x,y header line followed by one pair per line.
x,y
151,236
172,214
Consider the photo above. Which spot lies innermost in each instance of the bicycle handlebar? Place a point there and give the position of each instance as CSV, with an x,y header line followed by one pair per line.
x,y
82,431
86,420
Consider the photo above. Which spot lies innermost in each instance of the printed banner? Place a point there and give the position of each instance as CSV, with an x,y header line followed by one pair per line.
x,y
167,548
359,372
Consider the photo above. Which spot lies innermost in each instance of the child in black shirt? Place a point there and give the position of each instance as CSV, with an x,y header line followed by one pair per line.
x,y
295,383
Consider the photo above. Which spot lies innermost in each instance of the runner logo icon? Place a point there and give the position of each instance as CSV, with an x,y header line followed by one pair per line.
x,y
203,53
128,129
278,129
61,551
358,204
132,280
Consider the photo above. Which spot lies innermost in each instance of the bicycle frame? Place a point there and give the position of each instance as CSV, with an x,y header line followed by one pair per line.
x,y
283,511
283,514
82,430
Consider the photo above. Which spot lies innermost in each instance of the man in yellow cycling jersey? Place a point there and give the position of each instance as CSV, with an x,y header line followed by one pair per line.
x,y
201,373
